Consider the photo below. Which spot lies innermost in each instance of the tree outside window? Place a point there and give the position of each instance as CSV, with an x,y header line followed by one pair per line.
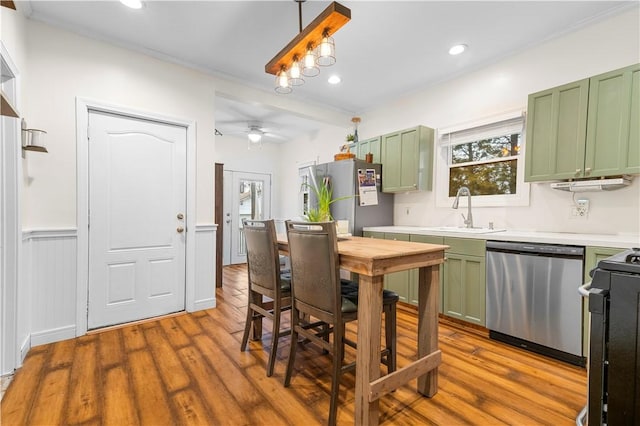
x,y
486,166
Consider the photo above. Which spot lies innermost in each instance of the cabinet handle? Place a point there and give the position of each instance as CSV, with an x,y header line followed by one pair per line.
x,y
587,171
578,171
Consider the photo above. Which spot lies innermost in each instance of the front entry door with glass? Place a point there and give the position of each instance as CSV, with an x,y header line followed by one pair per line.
x,y
246,196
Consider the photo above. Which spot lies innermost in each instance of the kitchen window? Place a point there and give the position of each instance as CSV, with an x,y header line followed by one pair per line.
x,y
486,158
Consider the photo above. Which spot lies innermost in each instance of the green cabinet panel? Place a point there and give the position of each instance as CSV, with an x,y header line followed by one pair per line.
x,y
373,234
556,129
413,278
464,282
468,246
369,146
612,125
592,255
407,160
589,128
398,281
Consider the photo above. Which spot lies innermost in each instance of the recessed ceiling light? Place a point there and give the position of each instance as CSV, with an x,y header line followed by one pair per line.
x,y
133,4
334,79
457,49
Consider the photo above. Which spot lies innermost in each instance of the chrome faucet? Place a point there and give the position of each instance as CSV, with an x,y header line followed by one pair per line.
x,y
468,221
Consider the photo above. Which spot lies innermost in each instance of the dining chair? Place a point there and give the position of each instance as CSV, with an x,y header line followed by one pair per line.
x,y
389,303
316,293
265,280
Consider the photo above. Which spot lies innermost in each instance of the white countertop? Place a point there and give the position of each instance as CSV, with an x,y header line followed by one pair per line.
x,y
624,241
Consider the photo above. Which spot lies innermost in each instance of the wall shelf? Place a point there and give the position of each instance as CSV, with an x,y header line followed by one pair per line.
x,y
6,107
8,3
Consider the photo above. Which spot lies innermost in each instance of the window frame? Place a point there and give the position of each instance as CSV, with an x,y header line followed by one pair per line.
x,y
443,165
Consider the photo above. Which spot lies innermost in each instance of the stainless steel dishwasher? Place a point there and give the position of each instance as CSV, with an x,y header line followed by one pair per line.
x,y
532,298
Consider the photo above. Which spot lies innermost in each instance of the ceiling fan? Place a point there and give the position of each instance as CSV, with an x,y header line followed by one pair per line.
x,y
254,130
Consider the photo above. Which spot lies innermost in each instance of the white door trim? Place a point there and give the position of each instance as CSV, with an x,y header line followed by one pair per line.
x,y
10,272
83,106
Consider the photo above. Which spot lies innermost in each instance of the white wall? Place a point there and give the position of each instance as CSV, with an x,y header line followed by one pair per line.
x,y
14,293
233,152
500,87
63,66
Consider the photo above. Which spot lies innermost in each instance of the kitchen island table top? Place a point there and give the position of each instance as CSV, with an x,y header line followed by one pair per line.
x,y
372,259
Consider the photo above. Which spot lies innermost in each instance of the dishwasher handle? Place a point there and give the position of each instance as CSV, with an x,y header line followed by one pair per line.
x,y
584,289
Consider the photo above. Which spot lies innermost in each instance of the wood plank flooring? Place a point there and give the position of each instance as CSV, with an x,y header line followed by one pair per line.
x,y
188,370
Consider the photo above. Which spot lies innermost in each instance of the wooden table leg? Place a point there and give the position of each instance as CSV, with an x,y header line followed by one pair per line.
x,y
368,352
428,304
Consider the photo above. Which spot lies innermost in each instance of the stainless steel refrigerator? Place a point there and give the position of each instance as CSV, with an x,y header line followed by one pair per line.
x,y
343,178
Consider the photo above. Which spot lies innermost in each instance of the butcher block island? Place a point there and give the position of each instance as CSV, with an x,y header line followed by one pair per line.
x,y
371,260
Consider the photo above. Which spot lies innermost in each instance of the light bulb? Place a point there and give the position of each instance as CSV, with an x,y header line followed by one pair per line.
x,y
326,51
310,69
295,72
457,49
283,85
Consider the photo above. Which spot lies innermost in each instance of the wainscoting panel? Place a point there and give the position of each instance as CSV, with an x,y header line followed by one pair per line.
x,y
50,271
205,269
50,257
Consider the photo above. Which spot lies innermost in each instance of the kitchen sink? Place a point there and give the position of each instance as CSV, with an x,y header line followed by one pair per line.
x,y
461,229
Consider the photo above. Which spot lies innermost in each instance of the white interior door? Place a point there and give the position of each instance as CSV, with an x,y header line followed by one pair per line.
x,y
137,201
249,196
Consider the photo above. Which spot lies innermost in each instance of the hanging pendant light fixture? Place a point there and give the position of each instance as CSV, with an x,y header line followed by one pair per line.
x,y
300,56
295,73
283,83
310,67
326,51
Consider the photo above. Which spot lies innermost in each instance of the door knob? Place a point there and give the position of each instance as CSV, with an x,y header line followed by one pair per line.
x,y
180,229
180,216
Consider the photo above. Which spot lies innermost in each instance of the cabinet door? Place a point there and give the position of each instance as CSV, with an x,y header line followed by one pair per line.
x,y
369,146
556,131
400,156
373,234
392,160
413,280
613,146
464,288
398,281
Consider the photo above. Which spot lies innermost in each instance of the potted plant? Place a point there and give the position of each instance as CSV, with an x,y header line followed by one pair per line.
x,y
324,197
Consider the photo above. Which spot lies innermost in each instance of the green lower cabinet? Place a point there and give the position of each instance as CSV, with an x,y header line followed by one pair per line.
x,y
592,256
398,281
373,234
413,276
464,283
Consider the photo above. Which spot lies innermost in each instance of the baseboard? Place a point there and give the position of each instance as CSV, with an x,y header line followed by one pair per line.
x,y
53,335
24,349
202,304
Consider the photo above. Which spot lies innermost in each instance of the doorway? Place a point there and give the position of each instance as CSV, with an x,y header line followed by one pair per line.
x,y
137,203
247,195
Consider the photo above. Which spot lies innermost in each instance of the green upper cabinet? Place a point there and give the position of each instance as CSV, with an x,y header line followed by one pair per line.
x,y
613,143
589,128
407,159
369,146
556,130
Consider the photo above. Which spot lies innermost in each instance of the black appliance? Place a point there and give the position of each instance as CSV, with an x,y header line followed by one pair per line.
x,y
614,348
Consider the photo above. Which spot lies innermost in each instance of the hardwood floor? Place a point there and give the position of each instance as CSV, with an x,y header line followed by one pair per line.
x,y
188,369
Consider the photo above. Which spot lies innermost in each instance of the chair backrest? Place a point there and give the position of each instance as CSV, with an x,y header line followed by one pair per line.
x,y
315,270
263,261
